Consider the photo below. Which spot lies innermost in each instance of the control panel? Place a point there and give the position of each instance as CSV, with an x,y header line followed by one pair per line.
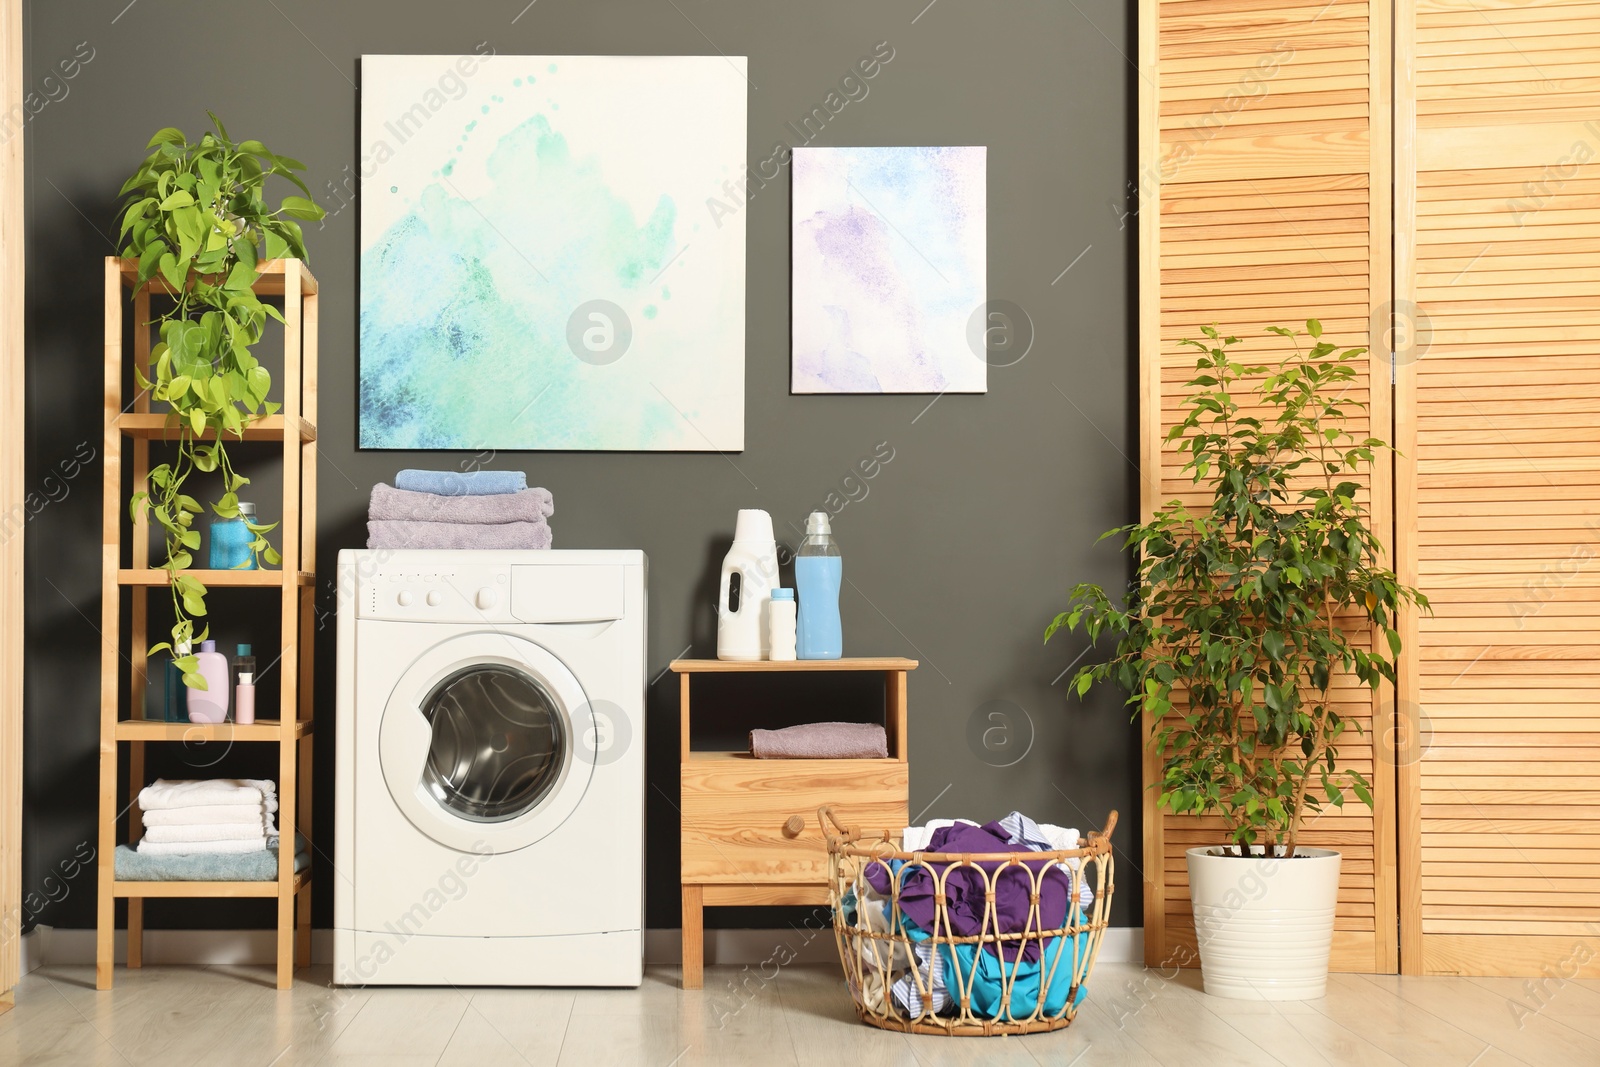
x,y
467,592
493,593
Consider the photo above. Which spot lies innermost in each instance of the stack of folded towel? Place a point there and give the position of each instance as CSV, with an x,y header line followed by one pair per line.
x,y
459,509
218,815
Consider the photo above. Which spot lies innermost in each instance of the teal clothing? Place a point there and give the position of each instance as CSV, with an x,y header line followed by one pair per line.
x,y
986,983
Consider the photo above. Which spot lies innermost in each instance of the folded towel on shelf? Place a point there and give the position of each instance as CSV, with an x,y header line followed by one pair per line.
x,y
164,794
213,814
225,831
528,505
821,740
135,866
388,533
462,483
258,843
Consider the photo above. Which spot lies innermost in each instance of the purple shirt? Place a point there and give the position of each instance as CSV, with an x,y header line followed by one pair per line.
x,y
965,888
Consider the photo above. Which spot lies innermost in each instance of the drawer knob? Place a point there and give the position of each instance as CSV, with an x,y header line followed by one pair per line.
x,y
793,825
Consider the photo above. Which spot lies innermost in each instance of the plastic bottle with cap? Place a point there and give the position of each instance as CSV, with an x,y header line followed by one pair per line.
x,y
242,662
244,702
818,571
781,625
176,707
749,571
211,703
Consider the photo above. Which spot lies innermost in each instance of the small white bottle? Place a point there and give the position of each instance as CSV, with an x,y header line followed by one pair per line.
x,y
781,624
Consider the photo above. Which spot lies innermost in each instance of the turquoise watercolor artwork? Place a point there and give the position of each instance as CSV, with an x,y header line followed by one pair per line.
x,y
533,275
889,259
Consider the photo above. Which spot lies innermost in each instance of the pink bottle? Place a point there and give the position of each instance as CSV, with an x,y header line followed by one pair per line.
x,y
210,704
244,699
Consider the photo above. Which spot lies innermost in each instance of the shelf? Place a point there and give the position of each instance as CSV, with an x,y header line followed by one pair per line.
x,y
729,666
269,284
163,426
302,880
131,429
260,578
706,755
156,730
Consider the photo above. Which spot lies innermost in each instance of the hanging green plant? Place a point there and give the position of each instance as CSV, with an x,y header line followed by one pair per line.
x,y
196,216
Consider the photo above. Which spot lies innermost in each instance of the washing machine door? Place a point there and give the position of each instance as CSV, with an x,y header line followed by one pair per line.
x,y
482,743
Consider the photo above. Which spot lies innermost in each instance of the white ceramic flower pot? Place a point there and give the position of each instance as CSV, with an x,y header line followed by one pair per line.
x,y
1264,925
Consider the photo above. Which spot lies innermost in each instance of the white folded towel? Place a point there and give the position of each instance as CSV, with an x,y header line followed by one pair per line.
x,y
178,848
211,814
164,794
228,831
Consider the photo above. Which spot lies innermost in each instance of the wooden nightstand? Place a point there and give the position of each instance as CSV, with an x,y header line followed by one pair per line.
x,y
750,833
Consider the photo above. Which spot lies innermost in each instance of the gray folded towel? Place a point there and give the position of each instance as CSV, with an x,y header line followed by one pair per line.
x,y
821,740
529,505
389,533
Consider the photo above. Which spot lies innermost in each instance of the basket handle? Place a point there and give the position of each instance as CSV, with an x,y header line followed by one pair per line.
x,y
825,815
1111,824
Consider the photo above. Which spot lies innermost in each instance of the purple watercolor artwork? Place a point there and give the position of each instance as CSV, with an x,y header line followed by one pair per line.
x,y
889,269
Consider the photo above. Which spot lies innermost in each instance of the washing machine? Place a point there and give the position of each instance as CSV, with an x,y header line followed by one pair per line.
x,y
489,822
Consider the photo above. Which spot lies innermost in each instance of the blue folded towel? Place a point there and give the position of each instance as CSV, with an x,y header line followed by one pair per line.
x,y
262,866
461,483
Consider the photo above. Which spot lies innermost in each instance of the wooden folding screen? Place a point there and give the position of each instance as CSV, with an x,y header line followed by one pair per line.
x,y
1498,414
1264,199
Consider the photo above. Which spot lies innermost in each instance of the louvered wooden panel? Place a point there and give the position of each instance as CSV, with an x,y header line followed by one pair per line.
x,y
1264,201
1499,490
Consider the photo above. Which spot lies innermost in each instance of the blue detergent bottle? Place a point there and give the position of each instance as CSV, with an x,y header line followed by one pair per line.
x,y
818,570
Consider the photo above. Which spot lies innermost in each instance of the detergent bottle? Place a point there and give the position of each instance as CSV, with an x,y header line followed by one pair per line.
x,y
818,571
749,573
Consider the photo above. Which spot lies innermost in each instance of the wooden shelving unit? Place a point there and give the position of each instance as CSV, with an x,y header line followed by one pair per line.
x,y
129,430
750,833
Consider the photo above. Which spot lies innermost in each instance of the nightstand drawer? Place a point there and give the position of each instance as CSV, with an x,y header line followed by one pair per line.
x,y
737,813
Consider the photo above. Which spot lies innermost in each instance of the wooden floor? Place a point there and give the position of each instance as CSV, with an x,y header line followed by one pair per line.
x,y
177,1016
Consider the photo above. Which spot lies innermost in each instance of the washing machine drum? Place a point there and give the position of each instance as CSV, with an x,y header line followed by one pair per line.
x,y
486,743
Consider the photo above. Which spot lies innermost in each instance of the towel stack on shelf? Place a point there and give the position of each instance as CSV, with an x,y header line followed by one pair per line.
x,y
214,816
459,509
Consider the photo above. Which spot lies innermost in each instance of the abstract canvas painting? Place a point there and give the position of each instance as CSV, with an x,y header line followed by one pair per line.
x,y
539,268
889,270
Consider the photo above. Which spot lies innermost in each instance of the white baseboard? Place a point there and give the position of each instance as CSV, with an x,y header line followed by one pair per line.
x,y
28,946
64,947
51,945
1122,944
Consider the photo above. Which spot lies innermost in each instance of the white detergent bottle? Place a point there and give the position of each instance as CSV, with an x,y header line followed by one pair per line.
x,y
749,573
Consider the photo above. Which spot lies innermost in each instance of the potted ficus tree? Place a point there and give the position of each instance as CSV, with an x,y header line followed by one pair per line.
x,y
1241,616
196,217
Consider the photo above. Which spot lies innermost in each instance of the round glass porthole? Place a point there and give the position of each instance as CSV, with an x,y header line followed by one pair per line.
x,y
499,742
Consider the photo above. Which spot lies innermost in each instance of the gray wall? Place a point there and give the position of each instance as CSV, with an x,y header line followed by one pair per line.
x,y
958,554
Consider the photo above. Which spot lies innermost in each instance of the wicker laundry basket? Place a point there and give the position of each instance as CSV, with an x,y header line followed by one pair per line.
x,y
995,982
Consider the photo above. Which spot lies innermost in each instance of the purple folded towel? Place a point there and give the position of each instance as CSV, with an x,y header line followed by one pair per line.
x,y
821,740
388,533
530,505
